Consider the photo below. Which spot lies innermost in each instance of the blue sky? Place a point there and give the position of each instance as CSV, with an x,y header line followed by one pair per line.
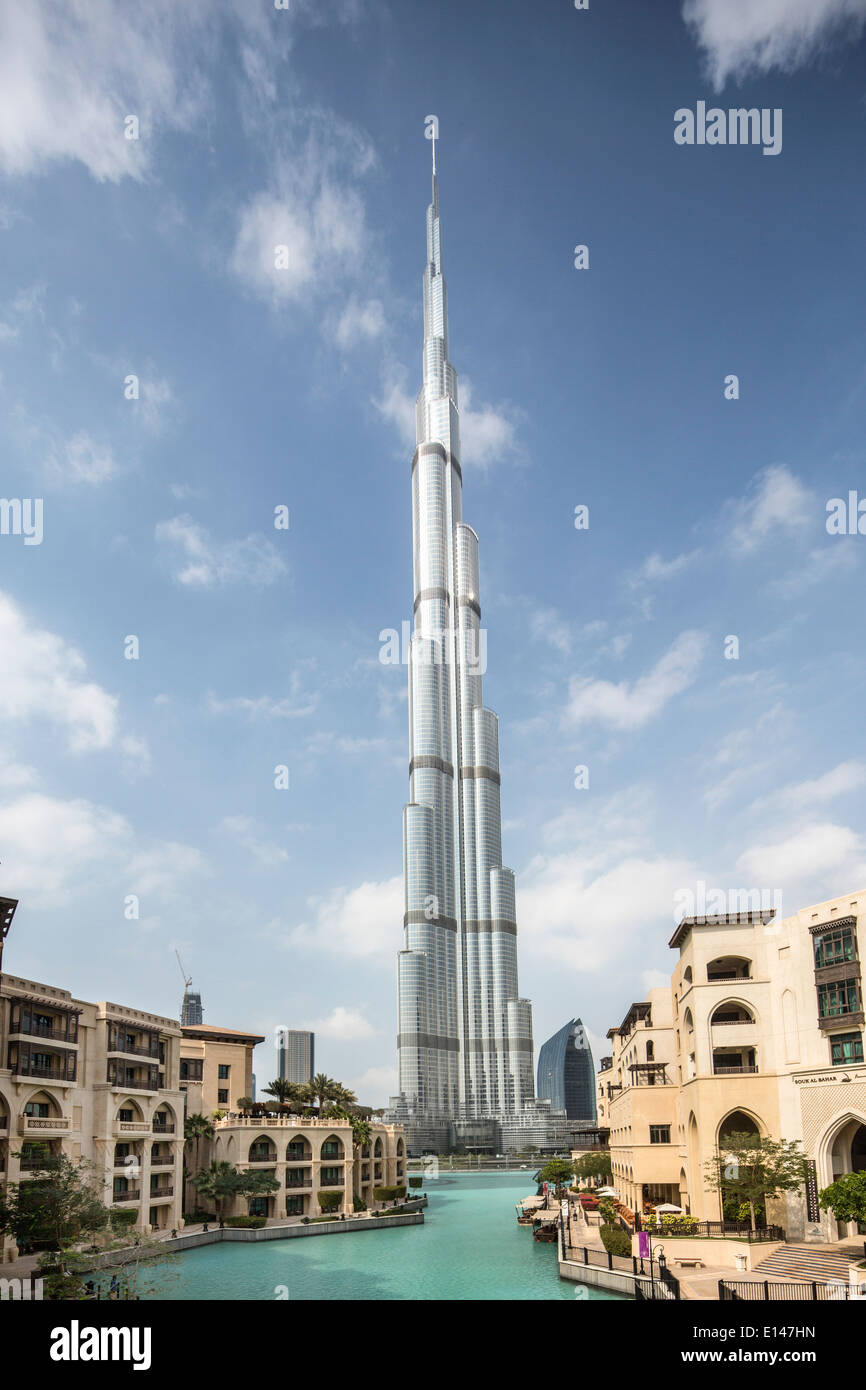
x,y
261,387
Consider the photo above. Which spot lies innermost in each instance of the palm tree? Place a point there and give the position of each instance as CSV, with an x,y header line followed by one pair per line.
x,y
281,1090
321,1089
196,1128
219,1182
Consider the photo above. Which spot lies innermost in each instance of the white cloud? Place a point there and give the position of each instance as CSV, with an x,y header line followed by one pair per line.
x,y
358,922
81,460
375,1086
827,563
203,563
71,73
246,832
51,846
299,702
742,37
360,322
820,852
654,569
630,705
42,677
162,868
816,791
547,625
344,1025
488,433
776,501
305,235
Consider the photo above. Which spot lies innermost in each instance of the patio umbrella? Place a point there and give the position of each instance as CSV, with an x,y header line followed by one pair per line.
x,y
668,1206
606,1192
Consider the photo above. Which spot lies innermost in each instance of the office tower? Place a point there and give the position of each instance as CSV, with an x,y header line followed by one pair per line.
x,y
297,1052
465,1035
565,1073
191,1011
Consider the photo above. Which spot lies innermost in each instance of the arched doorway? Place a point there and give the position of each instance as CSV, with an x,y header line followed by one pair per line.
x,y
848,1155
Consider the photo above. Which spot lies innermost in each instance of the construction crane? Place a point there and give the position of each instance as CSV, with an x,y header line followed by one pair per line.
x,y
186,982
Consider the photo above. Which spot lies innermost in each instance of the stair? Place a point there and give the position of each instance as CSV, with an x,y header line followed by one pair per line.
x,y
804,1263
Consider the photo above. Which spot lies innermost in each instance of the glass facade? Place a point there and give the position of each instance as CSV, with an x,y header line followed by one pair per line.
x,y
464,1034
566,1073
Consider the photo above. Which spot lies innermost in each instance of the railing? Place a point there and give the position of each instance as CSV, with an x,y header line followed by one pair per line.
x,y
263,1156
765,1290
713,1230
44,1073
735,1071
133,1126
35,1030
161,1192
131,1194
118,1084
161,1160
131,1050
29,1162
26,1123
161,1129
636,1265
730,1022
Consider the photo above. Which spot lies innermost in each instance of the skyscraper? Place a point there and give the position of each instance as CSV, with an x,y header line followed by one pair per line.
x,y
191,1011
296,1056
465,1036
566,1075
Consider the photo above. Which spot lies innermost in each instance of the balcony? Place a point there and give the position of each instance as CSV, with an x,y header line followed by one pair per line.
x,y
162,1129
131,1127
161,1194
296,1179
150,1083
54,1074
162,1160
735,1071
119,1048
56,1036
836,1022
742,1032
128,1194
51,1124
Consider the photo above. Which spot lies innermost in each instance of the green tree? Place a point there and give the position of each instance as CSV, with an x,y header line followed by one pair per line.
x,y
60,1204
282,1090
216,1182
196,1128
846,1198
558,1172
222,1182
754,1167
593,1165
322,1088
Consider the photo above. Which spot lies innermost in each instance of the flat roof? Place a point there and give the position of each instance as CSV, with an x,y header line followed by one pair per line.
x,y
724,919
210,1030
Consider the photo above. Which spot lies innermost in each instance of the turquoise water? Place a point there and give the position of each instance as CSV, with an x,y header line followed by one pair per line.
x,y
470,1247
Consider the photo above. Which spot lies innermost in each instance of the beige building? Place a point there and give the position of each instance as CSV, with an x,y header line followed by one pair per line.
x,y
306,1157
216,1067
761,1030
96,1082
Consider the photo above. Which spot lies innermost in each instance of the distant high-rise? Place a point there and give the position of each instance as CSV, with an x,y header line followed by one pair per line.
x,y
464,1034
191,1011
566,1075
297,1054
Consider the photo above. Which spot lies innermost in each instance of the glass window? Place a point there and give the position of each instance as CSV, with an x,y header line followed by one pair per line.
x,y
834,947
846,1049
838,997
660,1134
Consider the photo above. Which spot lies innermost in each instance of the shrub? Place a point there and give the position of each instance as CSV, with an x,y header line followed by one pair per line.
x,y
399,1191
416,1182
199,1215
330,1201
248,1222
615,1240
384,1194
358,1203
124,1216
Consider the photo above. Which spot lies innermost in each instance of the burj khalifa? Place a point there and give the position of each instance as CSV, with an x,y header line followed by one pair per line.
x,y
465,1036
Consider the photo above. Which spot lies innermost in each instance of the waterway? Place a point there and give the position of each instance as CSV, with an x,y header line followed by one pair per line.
x,y
470,1247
